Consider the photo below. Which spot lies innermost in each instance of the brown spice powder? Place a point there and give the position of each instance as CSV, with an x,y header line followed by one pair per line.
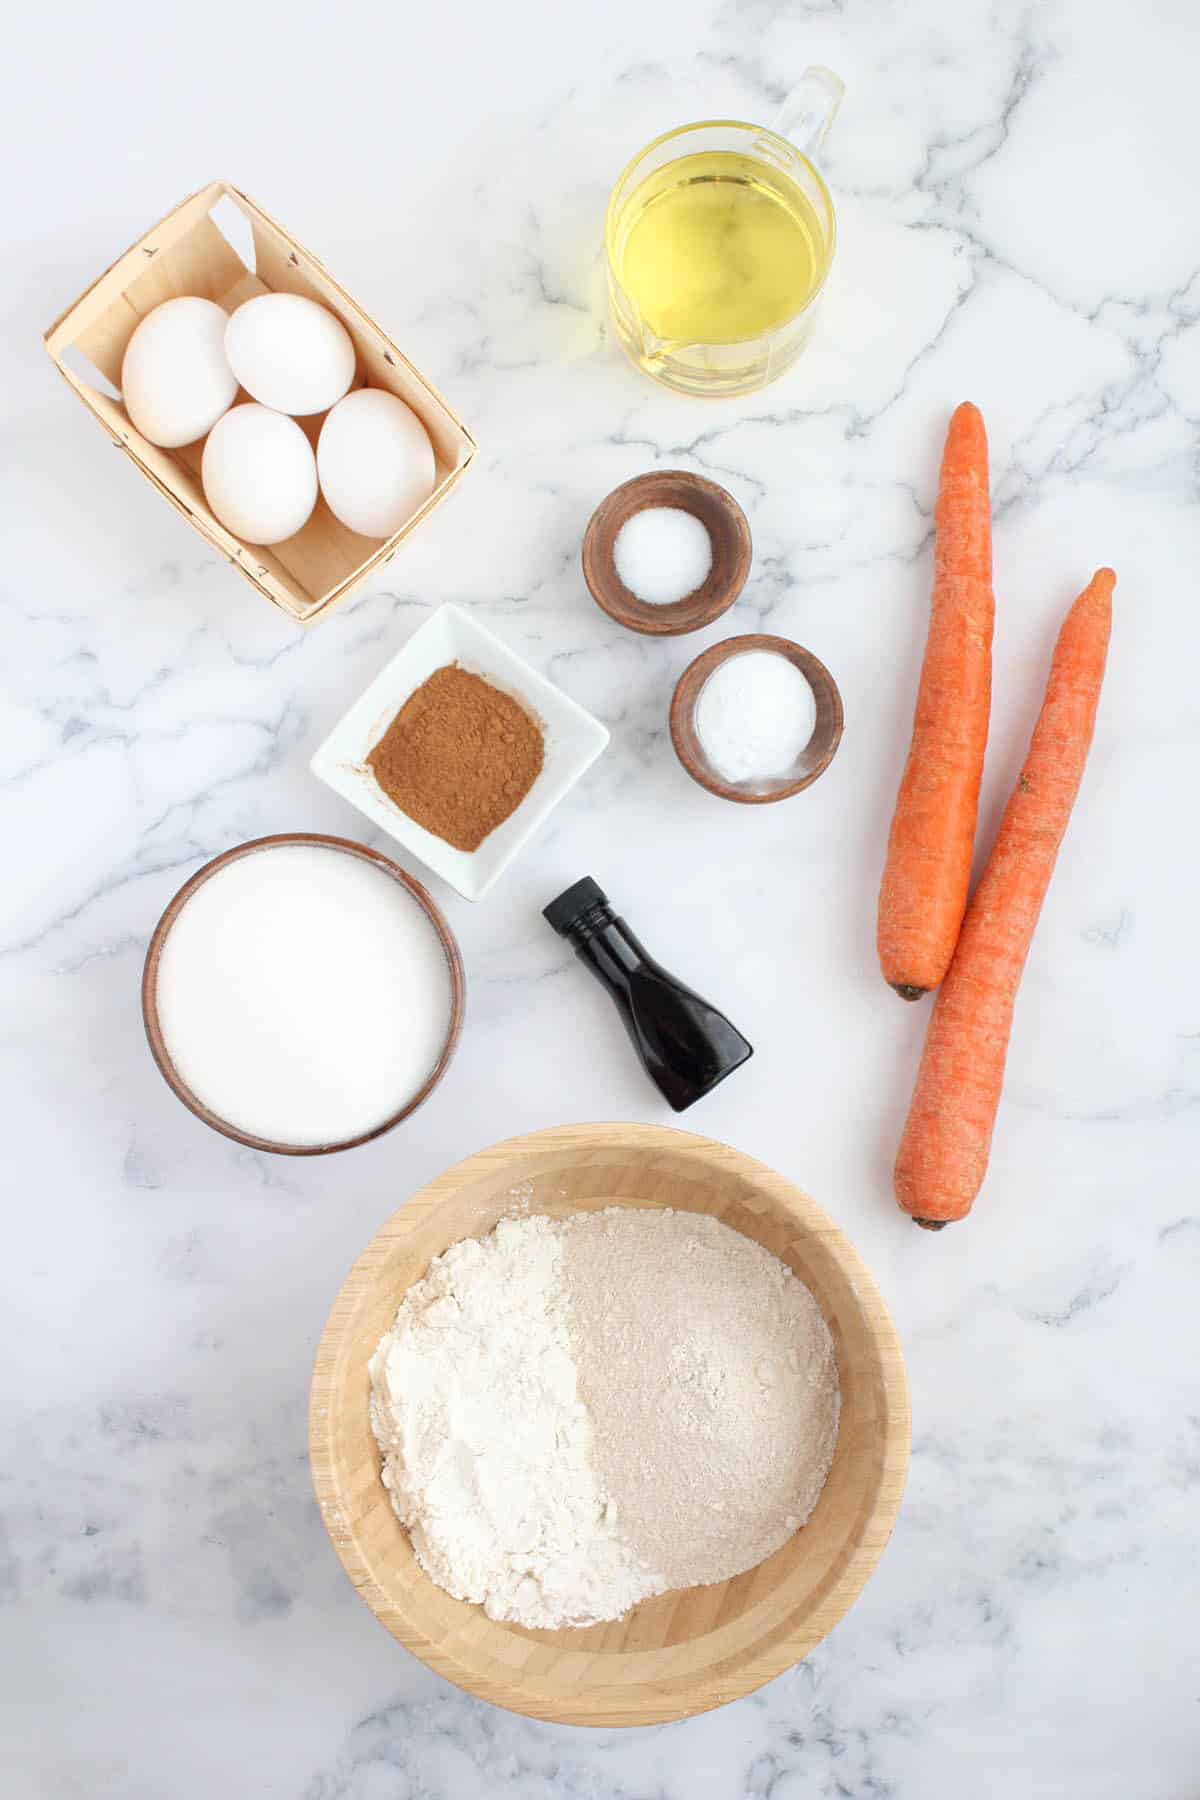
x,y
459,757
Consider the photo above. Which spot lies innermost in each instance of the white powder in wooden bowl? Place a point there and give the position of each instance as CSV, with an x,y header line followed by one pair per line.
x,y
304,994
577,1414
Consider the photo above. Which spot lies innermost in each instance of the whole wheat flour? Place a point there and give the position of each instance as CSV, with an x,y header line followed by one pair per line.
x,y
575,1415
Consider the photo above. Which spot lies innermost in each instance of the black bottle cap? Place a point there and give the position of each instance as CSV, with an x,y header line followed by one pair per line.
x,y
572,903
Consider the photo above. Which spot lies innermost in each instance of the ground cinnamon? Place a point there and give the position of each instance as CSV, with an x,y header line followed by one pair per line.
x,y
459,757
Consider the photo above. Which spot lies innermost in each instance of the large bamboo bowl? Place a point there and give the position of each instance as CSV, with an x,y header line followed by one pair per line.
x,y
683,1652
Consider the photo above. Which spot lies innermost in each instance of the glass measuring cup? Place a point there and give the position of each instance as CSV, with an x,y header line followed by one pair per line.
x,y
719,237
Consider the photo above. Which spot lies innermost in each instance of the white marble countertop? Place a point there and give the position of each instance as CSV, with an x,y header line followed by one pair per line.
x,y
1017,193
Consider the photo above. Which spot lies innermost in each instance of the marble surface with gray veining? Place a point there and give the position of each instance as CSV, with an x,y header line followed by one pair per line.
x,y
1018,204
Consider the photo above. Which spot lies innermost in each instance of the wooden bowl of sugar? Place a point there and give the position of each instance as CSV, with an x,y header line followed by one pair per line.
x,y
685,1651
666,553
301,994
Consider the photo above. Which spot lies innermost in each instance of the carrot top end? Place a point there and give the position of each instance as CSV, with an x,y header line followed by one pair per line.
x,y
966,424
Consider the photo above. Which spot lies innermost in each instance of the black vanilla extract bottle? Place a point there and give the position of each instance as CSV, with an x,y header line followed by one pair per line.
x,y
685,1043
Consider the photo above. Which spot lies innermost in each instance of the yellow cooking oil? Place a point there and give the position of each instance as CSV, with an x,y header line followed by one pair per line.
x,y
718,247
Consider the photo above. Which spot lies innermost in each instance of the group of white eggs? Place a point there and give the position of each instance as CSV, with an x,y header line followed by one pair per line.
x,y
183,366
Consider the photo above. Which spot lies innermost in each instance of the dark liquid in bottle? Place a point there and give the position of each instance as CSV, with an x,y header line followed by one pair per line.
x,y
686,1044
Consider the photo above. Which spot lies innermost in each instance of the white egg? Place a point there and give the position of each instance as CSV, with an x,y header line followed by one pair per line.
x,y
175,378
375,462
290,353
259,474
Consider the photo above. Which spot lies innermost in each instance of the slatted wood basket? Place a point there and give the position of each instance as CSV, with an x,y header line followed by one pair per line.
x,y
188,253
682,1652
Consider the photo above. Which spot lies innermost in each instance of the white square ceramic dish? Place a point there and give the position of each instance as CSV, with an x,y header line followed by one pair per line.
x,y
573,742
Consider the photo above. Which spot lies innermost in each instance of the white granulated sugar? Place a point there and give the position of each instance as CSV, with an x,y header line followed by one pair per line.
x,y
663,554
576,1415
303,994
755,714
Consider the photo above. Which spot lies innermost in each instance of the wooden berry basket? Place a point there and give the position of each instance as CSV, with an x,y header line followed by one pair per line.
x,y
188,253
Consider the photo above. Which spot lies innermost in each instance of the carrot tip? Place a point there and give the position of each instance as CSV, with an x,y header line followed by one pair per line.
x,y
932,1224
906,991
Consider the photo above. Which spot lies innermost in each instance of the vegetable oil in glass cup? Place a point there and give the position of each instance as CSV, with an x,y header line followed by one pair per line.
x,y
719,239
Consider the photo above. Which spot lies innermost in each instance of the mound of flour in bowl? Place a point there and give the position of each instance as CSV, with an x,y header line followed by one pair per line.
x,y
577,1414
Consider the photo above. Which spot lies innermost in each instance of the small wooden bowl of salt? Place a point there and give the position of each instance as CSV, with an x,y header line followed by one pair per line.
x,y
666,553
756,719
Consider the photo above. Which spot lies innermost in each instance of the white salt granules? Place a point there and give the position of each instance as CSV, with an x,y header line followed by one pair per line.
x,y
575,1415
755,715
663,554
304,996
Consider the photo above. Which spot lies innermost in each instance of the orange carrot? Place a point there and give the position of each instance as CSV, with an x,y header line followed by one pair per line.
x,y
923,894
944,1151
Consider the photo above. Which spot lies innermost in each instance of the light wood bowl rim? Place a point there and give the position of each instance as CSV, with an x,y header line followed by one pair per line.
x,y
154,1033
637,1702
708,501
830,717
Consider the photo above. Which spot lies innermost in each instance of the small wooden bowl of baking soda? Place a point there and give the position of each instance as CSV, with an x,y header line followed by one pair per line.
x,y
756,719
666,553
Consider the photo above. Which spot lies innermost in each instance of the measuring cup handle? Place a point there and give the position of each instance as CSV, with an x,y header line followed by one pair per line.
x,y
811,108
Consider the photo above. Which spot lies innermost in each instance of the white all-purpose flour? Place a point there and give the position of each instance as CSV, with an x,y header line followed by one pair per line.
x,y
577,1414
